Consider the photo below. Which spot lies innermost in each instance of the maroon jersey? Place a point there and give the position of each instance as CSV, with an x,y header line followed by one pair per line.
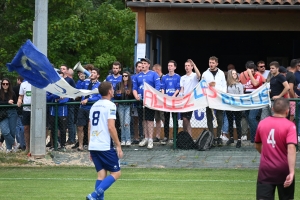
x,y
275,134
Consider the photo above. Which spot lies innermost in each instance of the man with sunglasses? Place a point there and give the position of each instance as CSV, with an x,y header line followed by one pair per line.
x,y
261,68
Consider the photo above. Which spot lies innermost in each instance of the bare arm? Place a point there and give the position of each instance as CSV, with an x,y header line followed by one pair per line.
x,y
258,147
253,80
291,91
291,149
113,133
20,100
195,68
285,90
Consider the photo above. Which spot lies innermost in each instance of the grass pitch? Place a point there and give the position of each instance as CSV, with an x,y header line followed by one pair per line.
x,y
29,183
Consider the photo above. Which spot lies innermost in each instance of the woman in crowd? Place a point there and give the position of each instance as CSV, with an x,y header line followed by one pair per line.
x,y
234,87
9,122
124,92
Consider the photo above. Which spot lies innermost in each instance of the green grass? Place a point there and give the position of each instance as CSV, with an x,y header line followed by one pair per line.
x,y
136,184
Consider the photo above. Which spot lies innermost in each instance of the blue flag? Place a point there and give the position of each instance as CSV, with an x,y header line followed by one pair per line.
x,y
33,66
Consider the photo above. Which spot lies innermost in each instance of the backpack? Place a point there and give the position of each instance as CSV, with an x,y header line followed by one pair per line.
x,y
184,141
205,141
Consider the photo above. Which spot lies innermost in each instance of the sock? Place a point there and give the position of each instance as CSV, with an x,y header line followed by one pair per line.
x,y
104,185
96,185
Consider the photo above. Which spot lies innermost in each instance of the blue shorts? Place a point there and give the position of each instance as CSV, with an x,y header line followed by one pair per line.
x,y
107,160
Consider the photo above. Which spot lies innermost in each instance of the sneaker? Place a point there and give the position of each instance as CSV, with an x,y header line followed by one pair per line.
x,y
128,143
89,197
164,141
299,138
63,149
238,144
156,139
230,141
143,142
85,147
123,143
16,148
9,151
219,141
150,144
224,138
48,144
135,142
244,137
75,146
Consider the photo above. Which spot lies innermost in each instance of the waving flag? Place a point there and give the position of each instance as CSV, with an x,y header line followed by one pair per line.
x,y
35,67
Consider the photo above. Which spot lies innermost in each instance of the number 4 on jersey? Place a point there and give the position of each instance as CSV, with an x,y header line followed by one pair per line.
x,y
271,139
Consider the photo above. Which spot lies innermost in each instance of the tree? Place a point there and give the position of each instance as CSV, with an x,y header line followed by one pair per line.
x,y
77,31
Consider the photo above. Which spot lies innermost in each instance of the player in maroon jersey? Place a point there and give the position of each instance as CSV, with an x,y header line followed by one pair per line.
x,y
275,140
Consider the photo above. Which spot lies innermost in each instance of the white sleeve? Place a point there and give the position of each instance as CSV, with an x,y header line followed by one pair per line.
x,y
112,111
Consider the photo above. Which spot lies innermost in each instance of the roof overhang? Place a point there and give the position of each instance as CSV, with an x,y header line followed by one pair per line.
x,y
211,6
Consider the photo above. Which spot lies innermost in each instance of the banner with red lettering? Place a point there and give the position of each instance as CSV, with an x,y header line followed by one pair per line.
x,y
205,96
157,101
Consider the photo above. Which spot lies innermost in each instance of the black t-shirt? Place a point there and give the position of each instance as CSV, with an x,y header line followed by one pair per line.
x,y
276,85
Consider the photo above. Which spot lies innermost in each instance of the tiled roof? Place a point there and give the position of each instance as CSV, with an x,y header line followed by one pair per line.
x,y
235,2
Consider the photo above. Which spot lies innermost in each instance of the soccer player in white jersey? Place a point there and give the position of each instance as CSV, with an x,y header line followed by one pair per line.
x,y
102,134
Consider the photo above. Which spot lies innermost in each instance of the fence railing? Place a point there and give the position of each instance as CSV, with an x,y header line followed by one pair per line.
x,y
238,124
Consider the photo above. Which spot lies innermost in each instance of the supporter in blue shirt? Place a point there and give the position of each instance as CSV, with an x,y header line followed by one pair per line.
x,y
83,113
62,114
152,79
116,77
170,85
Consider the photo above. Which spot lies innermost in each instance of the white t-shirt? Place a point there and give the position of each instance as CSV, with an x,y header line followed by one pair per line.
x,y
266,73
25,89
189,82
100,112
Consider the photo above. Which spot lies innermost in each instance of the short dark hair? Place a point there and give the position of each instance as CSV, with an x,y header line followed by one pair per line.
x,y
294,63
65,66
104,87
117,63
260,62
137,63
281,105
20,78
249,64
274,63
97,70
173,61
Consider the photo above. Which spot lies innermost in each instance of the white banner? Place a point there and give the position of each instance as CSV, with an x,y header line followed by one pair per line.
x,y
202,96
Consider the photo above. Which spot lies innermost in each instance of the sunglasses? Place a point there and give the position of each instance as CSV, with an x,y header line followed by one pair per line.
x,y
261,66
5,83
125,75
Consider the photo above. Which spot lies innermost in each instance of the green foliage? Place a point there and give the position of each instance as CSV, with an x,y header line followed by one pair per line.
x,y
89,31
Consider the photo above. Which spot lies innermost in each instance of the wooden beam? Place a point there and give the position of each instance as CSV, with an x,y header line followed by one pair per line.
x,y
141,25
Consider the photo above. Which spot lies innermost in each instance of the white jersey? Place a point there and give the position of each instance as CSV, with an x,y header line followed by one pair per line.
x,y
25,90
100,112
189,82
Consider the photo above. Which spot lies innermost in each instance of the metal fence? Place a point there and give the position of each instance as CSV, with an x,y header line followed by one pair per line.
x,y
63,131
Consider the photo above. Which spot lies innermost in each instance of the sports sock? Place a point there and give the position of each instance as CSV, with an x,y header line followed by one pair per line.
x,y
97,183
104,185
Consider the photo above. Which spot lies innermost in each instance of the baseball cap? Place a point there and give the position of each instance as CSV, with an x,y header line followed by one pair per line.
x,y
282,69
146,59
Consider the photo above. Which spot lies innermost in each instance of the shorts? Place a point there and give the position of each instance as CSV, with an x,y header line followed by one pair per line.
x,y
267,191
187,115
83,117
107,160
149,114
159,115
26,118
